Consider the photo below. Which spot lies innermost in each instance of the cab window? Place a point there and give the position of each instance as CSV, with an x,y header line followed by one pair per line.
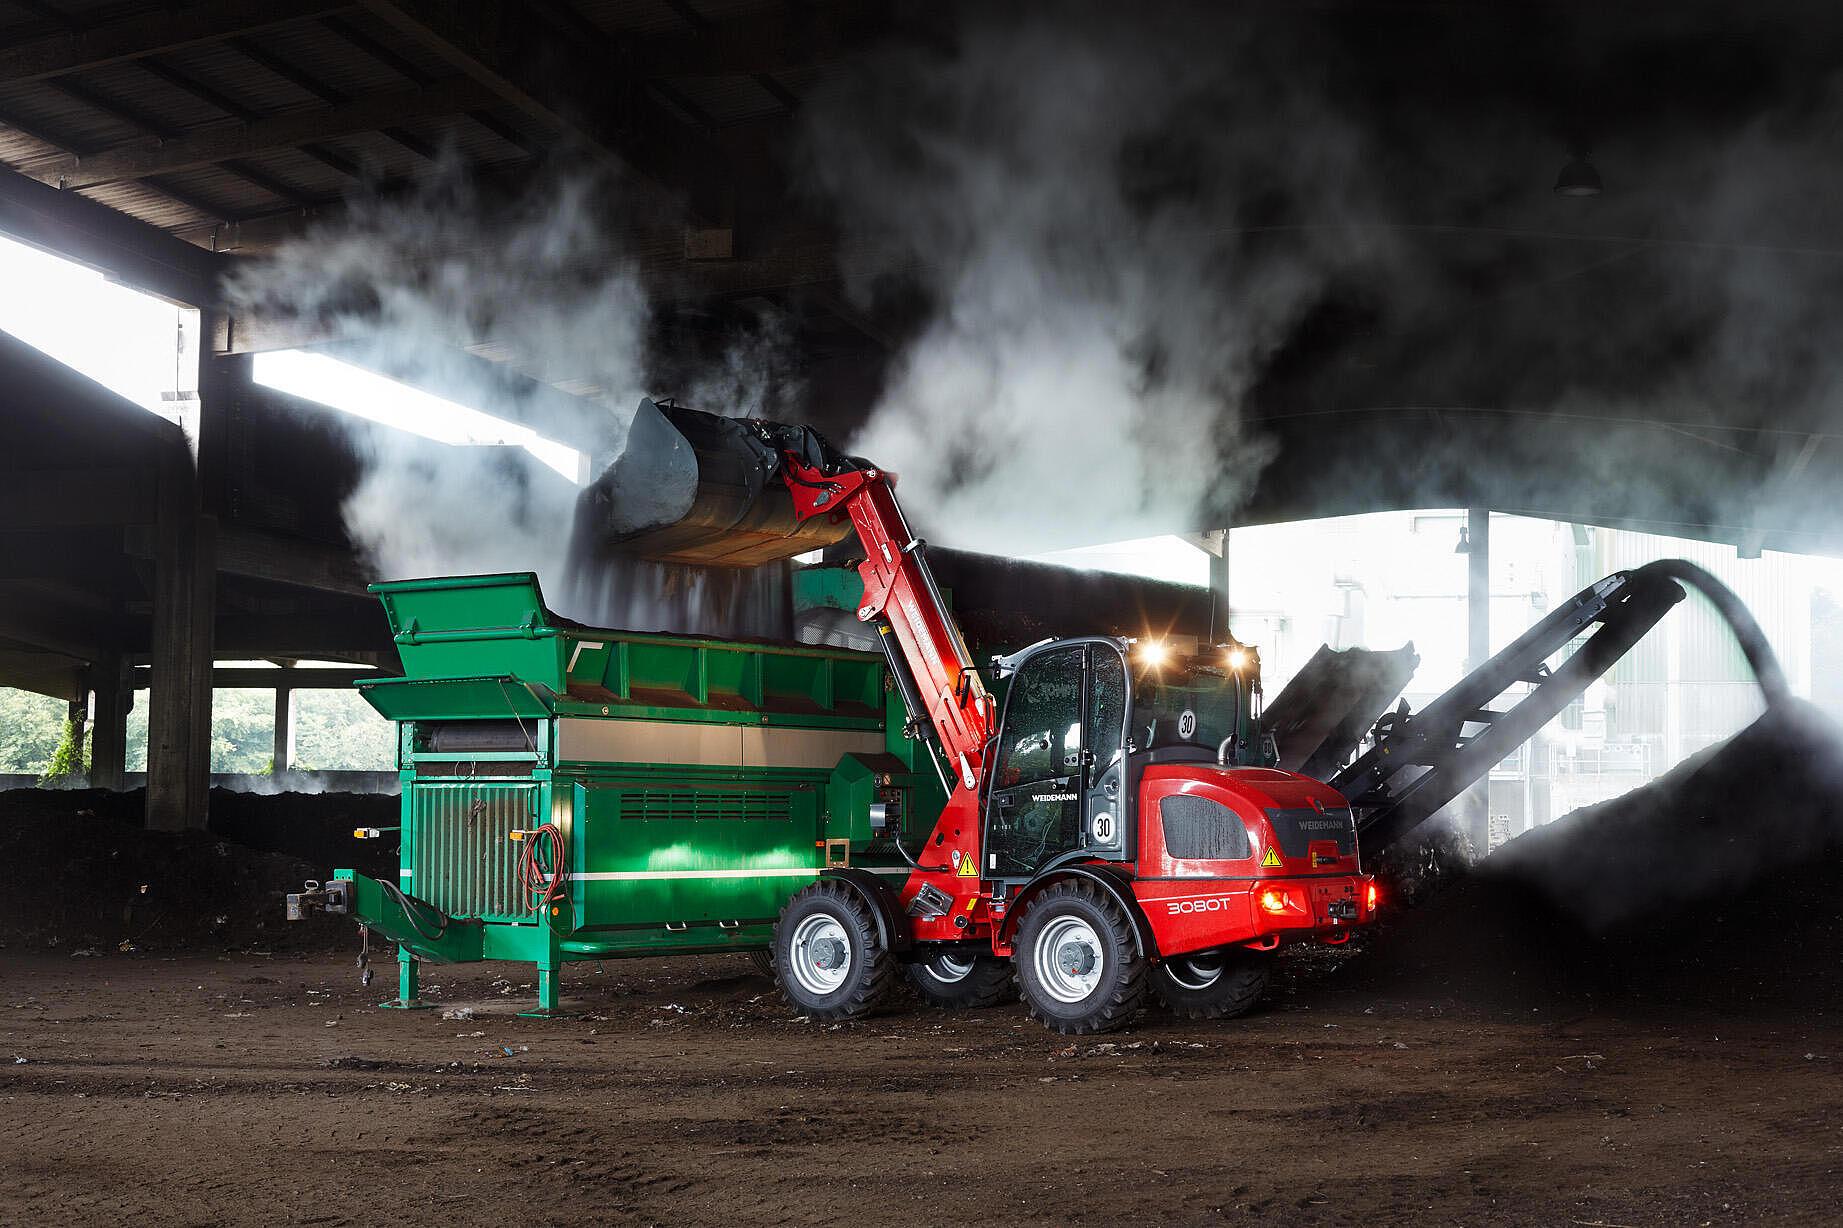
x,y
1042,738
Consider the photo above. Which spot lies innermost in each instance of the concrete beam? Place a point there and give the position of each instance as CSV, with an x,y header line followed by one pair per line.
x,y
38,620
259,555
282,560
245,677
130,251
320,636
42,673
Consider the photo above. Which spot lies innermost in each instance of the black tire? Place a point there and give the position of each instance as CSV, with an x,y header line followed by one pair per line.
x,y
961,981
1213,984
763,962
1077,919
828,959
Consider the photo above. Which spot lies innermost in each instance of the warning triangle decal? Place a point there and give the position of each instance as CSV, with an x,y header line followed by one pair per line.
x,y
1272,860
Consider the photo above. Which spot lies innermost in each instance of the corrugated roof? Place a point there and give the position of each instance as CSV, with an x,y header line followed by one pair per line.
x,y
294,69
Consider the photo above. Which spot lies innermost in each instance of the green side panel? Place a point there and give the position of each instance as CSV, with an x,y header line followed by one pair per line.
x,y
849,794
471,626
658,850
426,699
426,936
458,849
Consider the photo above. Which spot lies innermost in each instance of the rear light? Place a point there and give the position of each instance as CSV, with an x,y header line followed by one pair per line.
x,y
1281,901
1371,898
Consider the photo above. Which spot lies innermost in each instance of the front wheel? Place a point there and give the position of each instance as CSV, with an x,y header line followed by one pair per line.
x,y
960,980
828,957
1079,969
1212,984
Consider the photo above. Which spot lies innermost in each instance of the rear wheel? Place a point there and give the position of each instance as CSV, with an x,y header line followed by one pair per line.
x,y
828,958
960,980
1212,984
763,962
1078,968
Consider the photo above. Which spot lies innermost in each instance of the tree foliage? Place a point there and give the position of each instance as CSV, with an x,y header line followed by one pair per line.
x,y
334,730
31,727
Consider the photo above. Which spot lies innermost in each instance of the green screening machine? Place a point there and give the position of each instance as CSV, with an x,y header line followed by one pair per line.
x,y
571,793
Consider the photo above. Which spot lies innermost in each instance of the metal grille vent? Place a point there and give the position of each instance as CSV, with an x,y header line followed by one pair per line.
x,y
1196,827
465,860
701,805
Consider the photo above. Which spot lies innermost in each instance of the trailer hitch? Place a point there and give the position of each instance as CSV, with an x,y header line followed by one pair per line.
x,y
334,897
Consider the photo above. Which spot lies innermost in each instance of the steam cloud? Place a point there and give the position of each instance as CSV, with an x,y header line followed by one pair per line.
x,y
1132,233
417,282
1074,190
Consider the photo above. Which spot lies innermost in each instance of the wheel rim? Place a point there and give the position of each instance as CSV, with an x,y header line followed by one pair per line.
x,y
1069,960
820,955
951,969
1195,972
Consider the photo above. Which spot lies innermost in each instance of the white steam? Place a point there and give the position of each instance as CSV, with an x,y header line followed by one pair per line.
x,y
1076,198
420,286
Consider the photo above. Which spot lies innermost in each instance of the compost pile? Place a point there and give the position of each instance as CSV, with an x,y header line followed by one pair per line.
x,y
1719,884
81,873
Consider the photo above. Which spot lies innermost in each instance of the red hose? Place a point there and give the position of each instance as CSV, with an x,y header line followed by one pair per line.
x,y
544,888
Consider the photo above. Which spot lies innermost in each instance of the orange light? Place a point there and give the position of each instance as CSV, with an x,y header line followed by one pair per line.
x,y
1273,901
1371,898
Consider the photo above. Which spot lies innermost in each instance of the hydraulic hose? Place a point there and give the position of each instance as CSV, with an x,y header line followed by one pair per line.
x,y
1747,633
544,888
409,904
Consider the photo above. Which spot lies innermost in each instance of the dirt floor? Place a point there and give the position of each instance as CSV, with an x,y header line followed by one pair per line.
x,y
1633,1016
263,1089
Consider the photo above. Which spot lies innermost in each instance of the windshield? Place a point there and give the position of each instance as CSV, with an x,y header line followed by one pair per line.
x,y
1186,705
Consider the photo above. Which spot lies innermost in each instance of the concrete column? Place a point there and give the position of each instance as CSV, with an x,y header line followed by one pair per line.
x,y
113,698
283,754
179,704
79,725
1476,801
1215,543
185,584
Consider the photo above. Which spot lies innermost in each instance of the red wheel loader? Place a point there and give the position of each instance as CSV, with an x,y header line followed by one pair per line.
x,y
1115,826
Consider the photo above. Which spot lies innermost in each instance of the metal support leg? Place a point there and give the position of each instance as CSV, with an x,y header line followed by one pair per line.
x,y
550,978
409,985
1475,802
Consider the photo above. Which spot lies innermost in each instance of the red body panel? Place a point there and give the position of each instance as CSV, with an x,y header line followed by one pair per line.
x,y
1195,904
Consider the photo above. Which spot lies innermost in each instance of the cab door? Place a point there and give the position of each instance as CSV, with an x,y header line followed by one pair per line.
x,y
1058,784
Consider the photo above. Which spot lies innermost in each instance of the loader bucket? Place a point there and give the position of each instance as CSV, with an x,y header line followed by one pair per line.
x,y
691,487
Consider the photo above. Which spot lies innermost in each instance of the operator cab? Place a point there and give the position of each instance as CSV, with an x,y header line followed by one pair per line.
x,y
1082,718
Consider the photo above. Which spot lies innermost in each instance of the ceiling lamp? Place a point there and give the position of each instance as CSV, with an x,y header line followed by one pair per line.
x,y
1578,178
